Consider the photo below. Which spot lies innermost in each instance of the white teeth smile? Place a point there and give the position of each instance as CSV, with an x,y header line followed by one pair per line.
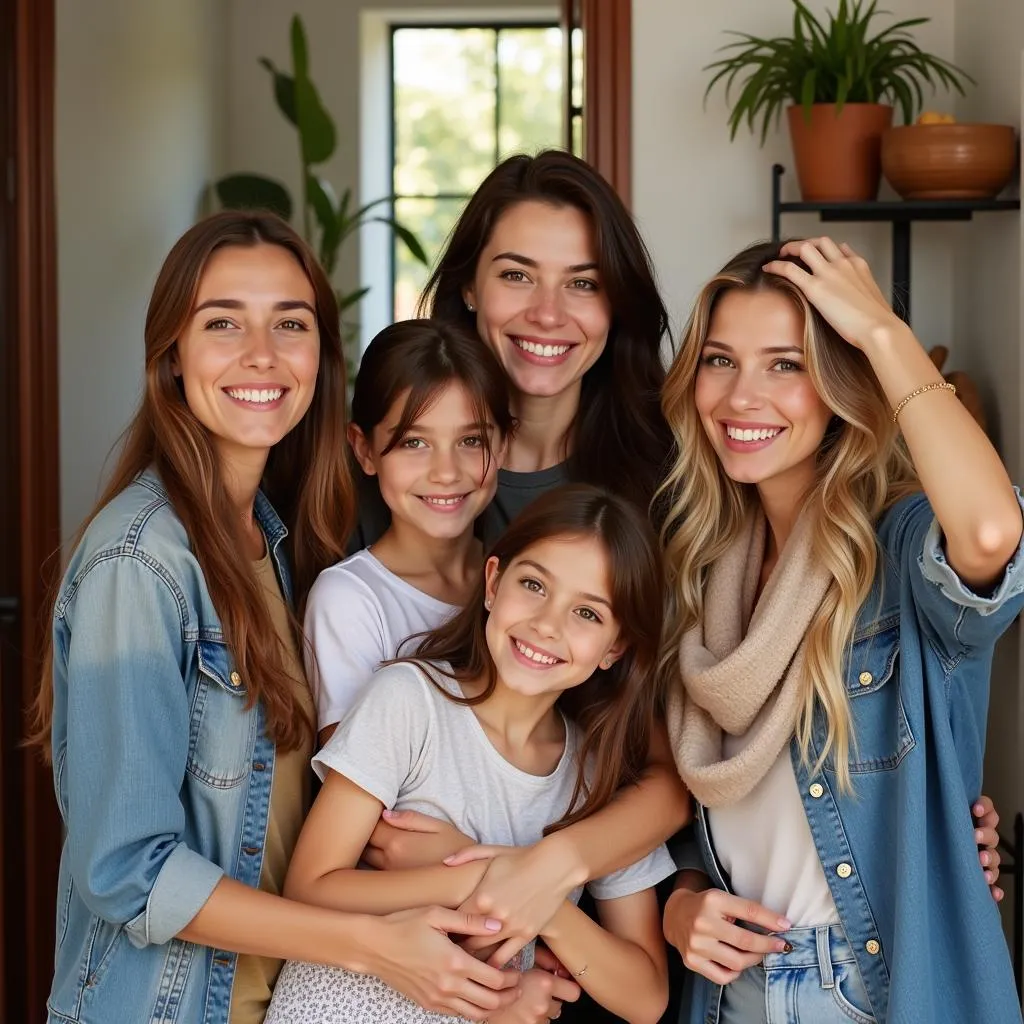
x,y
541,350
529,652
762,434
442,501
255,395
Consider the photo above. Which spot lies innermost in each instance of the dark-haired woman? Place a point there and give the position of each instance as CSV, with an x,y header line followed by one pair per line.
x,y
547,267
174,703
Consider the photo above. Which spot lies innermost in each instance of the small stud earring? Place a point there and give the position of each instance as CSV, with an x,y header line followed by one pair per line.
x,y
487,604
470,307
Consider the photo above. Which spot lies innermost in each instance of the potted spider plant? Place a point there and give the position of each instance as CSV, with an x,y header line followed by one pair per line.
x,y
838,82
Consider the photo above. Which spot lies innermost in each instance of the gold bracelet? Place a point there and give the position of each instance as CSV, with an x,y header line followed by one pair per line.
x,y
580,973
934,386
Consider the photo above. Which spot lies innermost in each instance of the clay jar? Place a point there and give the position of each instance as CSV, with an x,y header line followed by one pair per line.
x,y
839,156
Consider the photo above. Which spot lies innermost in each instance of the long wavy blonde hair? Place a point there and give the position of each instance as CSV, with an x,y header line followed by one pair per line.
x,y
862,468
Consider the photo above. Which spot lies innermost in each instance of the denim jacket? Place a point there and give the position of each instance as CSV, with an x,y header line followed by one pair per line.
x,y
162,774
899,853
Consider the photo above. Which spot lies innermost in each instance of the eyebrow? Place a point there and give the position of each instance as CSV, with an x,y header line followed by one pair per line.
x,y
525,261
593,598
481,427
772,349
238,304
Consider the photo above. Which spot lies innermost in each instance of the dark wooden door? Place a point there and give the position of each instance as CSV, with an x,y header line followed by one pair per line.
x,y
598,41
29,501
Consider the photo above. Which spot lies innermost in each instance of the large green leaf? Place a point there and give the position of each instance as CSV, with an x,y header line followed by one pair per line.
x,y
284,90
254,192
316,127
300,51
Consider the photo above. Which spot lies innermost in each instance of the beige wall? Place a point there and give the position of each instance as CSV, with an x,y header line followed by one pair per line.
x,y
138,133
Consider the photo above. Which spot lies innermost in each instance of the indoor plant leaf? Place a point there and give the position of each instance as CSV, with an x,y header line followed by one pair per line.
x,y
254,192
284,90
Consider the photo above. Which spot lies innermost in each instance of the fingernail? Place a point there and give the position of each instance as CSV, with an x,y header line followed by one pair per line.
x,y
988,877
780,947
449,858
785,924
977,835
388,814
493,924
985,858
978,809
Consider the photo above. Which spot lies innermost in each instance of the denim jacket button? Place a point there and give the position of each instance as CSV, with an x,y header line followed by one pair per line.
x,y
816,790
844,870
872,947
865,679
236,679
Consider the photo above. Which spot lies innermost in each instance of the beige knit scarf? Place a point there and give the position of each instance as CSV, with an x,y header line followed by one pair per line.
x,y
741,667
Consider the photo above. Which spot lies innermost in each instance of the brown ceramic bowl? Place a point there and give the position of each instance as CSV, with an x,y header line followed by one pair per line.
x,y
949,161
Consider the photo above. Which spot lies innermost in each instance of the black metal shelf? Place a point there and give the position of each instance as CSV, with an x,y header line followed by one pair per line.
x,y
901,213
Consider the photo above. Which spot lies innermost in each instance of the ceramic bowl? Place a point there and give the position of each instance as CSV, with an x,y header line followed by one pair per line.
x,y
949,161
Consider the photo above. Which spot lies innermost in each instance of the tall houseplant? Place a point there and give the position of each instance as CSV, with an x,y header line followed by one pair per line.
x,y
838,82
327,220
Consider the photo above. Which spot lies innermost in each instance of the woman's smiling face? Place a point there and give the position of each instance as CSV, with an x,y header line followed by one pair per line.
x,y
754,395
249,354
539,299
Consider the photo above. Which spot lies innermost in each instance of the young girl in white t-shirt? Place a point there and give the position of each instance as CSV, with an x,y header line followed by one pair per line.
x,y
430,419
524,713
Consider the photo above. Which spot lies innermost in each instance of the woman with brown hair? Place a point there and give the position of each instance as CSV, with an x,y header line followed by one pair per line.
x,y
546,266
173,704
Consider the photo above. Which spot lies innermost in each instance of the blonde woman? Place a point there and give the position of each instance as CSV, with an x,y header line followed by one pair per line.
x,y
844,549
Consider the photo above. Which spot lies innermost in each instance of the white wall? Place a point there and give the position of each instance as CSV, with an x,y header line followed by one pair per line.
x,y
989,342
139,122
699,198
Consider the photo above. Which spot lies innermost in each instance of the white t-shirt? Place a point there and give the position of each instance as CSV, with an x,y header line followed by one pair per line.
x,y
359,614
764,843
412,748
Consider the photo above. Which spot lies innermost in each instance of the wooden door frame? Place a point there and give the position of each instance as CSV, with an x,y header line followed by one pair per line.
x,y
32,826
607,86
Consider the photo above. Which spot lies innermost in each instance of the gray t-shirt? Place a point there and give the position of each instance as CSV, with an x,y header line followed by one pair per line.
x,y
515,491
408,745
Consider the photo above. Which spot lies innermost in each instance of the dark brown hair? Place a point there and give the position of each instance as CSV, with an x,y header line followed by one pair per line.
x,y
620,440
421,358
307,477
616,707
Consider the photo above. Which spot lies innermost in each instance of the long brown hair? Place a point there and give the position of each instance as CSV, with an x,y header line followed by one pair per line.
x,y
616,707
421,358
307,477
862,468
620,439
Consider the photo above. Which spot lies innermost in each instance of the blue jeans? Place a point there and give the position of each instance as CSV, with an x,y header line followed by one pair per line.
x,y
816,981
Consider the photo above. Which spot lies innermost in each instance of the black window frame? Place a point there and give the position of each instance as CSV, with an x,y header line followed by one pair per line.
x,y
498,25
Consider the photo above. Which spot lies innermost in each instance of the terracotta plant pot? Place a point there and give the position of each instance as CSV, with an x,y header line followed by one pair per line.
x,y
949,161
839,157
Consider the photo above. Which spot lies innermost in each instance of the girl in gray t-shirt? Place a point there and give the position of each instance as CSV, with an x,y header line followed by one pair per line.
x,y
525,712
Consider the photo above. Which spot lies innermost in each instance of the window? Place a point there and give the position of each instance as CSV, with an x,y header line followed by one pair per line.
x,y
463,97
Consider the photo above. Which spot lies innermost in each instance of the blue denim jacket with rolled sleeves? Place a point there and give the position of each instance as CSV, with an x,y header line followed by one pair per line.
x,y
899,853
163,775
